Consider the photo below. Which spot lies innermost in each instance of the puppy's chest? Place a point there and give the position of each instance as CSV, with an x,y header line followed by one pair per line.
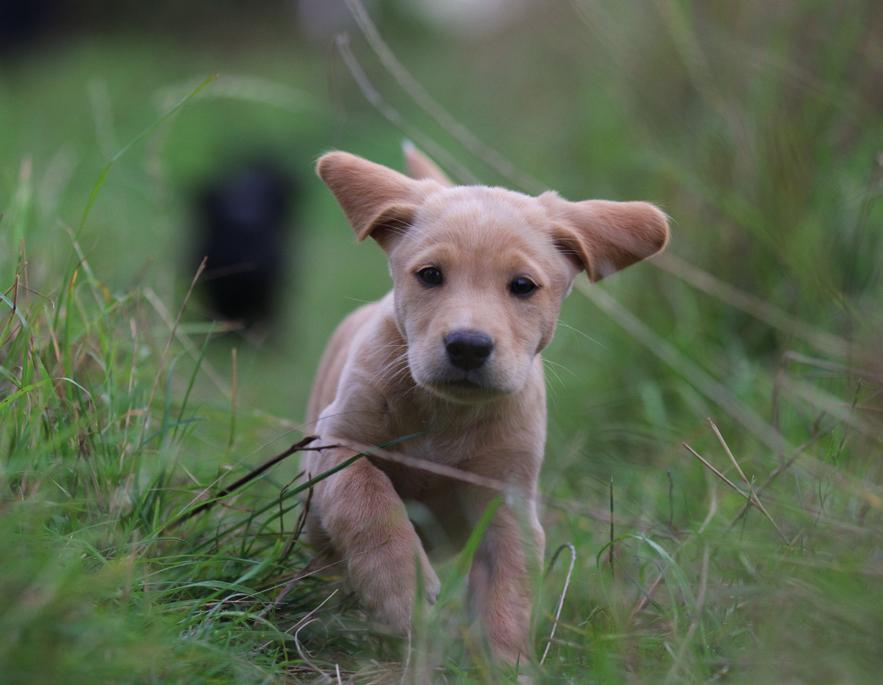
x,y
449,449
443,449
441,437
422,430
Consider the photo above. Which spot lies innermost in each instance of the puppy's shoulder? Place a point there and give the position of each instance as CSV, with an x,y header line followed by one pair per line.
x,y
368,330
341,353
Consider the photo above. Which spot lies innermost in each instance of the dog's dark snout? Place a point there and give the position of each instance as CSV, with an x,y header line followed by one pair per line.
x,y
468,350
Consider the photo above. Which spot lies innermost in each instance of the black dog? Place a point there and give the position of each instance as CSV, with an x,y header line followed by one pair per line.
x,y
22,22
242,232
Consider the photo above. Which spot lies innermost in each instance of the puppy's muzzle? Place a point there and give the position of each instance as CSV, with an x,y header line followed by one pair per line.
x,y
468,349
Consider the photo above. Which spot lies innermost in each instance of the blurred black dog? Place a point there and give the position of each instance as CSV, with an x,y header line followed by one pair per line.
x,y
22,22
243,226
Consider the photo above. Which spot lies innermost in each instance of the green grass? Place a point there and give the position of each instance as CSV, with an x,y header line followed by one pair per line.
x,y
758,130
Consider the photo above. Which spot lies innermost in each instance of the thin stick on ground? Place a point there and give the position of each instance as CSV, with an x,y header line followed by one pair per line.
x,y
779,470
612,532
300,650
745,479
747,495
435,468
645,598
299,526
299,446
568,546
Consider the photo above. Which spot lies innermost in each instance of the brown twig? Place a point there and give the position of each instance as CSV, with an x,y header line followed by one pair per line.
x,y
612,531
752,492
299,526
432,467
300,446
645,598
568,546
749,496
775,473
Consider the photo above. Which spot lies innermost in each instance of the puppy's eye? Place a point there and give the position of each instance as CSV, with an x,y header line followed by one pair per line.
x,y
522,286
430,276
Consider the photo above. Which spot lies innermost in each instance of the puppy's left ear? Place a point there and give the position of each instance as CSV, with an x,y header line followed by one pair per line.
x,y
604,237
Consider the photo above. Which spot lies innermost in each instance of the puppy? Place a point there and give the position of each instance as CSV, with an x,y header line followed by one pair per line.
x,y
451,358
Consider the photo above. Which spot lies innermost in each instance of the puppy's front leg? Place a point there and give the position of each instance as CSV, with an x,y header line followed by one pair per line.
x,y
368,527
500,587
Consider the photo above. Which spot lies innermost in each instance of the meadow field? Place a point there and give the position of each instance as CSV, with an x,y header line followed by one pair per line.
x,y
713,483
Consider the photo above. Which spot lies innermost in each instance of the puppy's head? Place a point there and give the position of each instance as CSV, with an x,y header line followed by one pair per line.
x,y
480,273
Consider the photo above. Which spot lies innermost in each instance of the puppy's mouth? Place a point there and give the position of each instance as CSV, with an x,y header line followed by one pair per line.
x,y
464,388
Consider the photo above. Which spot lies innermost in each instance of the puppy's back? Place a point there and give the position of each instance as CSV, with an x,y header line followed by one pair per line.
x,y
334,358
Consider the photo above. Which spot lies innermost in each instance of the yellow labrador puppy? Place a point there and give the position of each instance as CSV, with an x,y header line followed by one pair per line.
x,y
451,357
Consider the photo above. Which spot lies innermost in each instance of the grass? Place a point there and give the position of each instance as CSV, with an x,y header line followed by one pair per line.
x,y
745,550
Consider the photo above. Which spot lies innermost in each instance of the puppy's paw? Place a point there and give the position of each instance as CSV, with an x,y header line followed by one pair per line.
x,y
429,579
386,579
397,607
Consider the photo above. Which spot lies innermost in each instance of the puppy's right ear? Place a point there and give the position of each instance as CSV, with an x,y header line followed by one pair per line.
x,y
420,166
377,201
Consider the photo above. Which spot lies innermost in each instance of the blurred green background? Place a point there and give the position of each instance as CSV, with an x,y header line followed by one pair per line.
x,y
757,126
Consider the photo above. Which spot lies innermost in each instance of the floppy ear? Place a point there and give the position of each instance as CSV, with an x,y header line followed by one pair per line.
x,y
377,201
420,166
604,237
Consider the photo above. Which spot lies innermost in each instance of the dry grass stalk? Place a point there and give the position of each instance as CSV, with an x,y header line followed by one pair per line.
x,y
568,546
751,491
749,496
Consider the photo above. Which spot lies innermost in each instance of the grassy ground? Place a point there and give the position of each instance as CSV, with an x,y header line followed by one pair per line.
x,y
759,130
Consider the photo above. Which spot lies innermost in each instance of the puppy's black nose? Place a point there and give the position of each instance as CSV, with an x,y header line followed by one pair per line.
x,y
467,349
